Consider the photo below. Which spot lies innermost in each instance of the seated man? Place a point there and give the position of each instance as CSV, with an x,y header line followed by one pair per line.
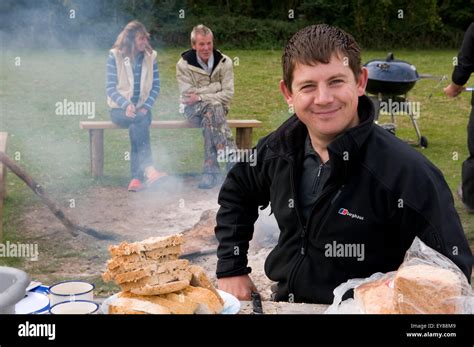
x,y
206,83
335,180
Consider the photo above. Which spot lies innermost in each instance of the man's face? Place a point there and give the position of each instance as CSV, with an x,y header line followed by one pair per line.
x,y
203,46
141,42
325,97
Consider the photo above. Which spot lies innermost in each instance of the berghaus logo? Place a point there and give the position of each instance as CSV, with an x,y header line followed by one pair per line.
x,y
345,212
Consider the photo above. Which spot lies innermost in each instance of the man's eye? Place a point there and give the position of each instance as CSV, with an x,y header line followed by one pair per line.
x,y
307,88
336,82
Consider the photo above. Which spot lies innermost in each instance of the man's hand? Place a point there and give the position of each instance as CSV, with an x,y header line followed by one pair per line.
x,y
130,111
453,90
239,286
190,99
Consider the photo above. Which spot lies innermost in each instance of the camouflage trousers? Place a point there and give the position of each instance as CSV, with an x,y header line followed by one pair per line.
x,y
216,132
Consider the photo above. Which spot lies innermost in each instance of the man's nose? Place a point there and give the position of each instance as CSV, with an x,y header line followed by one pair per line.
x,y
323,96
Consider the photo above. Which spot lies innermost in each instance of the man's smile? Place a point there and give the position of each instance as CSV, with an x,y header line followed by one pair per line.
x,y
326,113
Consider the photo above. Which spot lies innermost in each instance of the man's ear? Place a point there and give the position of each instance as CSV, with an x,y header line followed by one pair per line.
x,y
362,81
286,93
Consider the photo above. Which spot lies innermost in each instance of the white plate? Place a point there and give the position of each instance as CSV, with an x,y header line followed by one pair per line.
x,y
105,305
34,302
231,303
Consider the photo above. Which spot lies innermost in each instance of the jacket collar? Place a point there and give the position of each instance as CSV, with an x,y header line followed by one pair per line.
x,y
344,152
191,57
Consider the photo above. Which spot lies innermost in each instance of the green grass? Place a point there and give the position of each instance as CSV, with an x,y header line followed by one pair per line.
x,y
56,152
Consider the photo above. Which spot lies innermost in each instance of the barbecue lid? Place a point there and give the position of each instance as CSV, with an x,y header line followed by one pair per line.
x,y
391,70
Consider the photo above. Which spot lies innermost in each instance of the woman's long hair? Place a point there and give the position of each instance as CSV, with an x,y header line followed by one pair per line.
x,y
125,42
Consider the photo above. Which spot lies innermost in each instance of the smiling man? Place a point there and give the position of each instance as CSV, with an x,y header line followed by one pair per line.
x,y
348,196
206,84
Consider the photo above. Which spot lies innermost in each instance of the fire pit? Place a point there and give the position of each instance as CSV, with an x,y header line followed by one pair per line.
x,y
389,82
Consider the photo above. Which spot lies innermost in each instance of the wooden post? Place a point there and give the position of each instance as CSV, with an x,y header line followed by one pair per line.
x,y
3,178
244,138
97,152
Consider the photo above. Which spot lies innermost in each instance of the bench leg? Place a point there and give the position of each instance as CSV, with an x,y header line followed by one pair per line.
x,y
97,152
244,138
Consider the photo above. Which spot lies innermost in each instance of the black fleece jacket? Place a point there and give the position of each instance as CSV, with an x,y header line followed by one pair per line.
x,y
381,194
465,66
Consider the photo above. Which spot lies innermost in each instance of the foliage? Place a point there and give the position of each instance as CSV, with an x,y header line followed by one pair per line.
x,y
240,24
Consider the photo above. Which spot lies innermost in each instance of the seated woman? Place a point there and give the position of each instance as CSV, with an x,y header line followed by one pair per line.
x,y
133,85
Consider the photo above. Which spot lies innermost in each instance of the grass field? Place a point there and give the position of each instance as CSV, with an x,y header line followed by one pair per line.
x,y
56,152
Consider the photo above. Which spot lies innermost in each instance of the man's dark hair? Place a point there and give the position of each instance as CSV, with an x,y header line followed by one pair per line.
x,y
316,44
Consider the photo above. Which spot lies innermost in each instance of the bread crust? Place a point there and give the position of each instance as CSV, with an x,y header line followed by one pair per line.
x,y
174,306
161,288
207,300
158,279
426,289
200,279
375,297
125,248
135,306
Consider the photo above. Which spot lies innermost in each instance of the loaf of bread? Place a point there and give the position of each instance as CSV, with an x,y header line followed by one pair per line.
x,y
149,267
149,244
136,306
155,281
157,274
208,302
150,289
179,306
375,297
200,279
426,289
132,261
187,301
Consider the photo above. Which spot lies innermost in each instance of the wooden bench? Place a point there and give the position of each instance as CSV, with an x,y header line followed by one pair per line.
x,y
96,133
3,177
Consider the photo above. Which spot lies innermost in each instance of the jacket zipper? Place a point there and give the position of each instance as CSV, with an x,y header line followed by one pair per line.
x,y
303,232
303,235
317,181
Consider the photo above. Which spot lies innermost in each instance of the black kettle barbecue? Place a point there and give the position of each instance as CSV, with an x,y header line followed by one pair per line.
x,y
391,77
389,82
